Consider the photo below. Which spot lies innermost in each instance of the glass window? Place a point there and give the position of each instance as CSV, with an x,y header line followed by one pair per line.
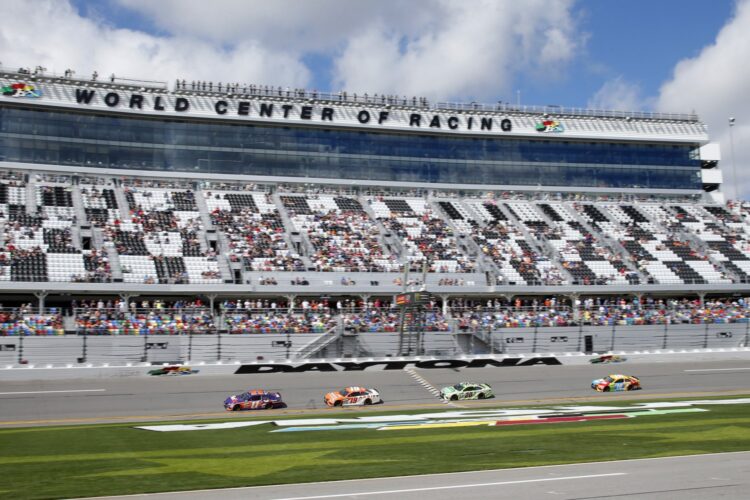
x,y
43,136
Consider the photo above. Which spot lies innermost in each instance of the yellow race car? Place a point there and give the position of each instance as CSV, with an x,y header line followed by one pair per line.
x,y
612,383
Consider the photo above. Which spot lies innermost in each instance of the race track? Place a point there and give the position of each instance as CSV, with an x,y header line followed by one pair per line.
x,y
194,396
721,475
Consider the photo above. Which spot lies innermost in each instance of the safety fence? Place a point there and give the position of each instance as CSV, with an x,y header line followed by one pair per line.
x,y
192,347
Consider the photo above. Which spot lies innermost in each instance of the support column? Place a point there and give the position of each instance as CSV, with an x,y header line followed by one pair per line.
x,y
702,298
508,299
445,299
365,298
639,298
576,307
125,297
291,299
41,295
211,298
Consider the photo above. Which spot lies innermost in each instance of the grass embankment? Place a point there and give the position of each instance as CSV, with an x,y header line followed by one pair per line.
x,y
115,459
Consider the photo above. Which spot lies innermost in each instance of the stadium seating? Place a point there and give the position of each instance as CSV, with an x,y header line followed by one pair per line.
x,y
60,228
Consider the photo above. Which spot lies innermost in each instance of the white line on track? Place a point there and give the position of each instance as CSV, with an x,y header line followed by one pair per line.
x,y
51,392
717,369
435,488
430,388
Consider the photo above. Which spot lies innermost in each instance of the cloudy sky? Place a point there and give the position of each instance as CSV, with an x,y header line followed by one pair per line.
x,y
665,55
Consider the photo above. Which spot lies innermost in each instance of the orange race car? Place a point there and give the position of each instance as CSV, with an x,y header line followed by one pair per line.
x,y
353,396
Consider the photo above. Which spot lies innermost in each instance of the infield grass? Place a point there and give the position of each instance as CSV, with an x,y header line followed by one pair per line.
x,y
113,459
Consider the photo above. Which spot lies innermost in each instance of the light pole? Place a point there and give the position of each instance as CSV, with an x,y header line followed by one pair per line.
x,y
731,152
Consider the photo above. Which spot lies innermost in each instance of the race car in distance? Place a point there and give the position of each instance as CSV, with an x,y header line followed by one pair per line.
x,y
353,396
254,400
466,390
616,383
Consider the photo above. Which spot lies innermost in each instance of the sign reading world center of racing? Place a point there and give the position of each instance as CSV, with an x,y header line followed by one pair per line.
x,y
345,366
312,112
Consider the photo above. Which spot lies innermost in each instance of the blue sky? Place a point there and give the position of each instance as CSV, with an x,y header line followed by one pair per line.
x,y
665,55
639,40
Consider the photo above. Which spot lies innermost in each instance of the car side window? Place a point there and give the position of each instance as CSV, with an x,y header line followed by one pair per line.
x,y
255,397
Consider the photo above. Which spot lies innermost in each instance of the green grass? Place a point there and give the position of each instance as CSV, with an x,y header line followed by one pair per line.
x,y
59,462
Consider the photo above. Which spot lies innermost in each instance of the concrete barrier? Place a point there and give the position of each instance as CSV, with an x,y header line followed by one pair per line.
x,y
106,370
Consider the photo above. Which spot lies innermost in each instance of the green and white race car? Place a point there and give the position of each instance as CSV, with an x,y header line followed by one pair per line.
x,y
466,390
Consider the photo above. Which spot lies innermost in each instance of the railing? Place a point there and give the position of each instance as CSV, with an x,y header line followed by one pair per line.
x,y
504,107
190,347
321,342
69,77
607,339
244,89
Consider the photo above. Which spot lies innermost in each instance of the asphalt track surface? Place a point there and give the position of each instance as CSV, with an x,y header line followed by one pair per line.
x,y
723,475
64,402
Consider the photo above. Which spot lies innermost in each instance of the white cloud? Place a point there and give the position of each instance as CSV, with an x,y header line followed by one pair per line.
x,y
618,94
715,84
435,48
52,34
288,25
473,49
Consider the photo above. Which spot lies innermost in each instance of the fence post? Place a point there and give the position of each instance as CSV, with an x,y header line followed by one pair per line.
x,y
536,332
502,342
20,348
705,338
84,347
612,344
218,346
580,336
492,344
144,359
747,332
190,345
666,331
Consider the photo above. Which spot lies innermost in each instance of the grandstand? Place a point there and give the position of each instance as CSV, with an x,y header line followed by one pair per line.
x,y
128,208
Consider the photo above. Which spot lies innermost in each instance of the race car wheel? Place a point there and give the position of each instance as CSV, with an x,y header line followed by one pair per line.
x,y
337,403
269,406
480,395
454,398
368,402
236,408
606,389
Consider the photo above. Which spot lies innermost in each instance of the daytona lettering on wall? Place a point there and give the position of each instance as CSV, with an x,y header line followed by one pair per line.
x,y
394,365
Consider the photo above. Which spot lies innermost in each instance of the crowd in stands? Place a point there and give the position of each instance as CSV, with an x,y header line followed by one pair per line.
x,y
256,239
24,321
276,321
122,318
343,236
599,312
525,238
115,316
389,320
